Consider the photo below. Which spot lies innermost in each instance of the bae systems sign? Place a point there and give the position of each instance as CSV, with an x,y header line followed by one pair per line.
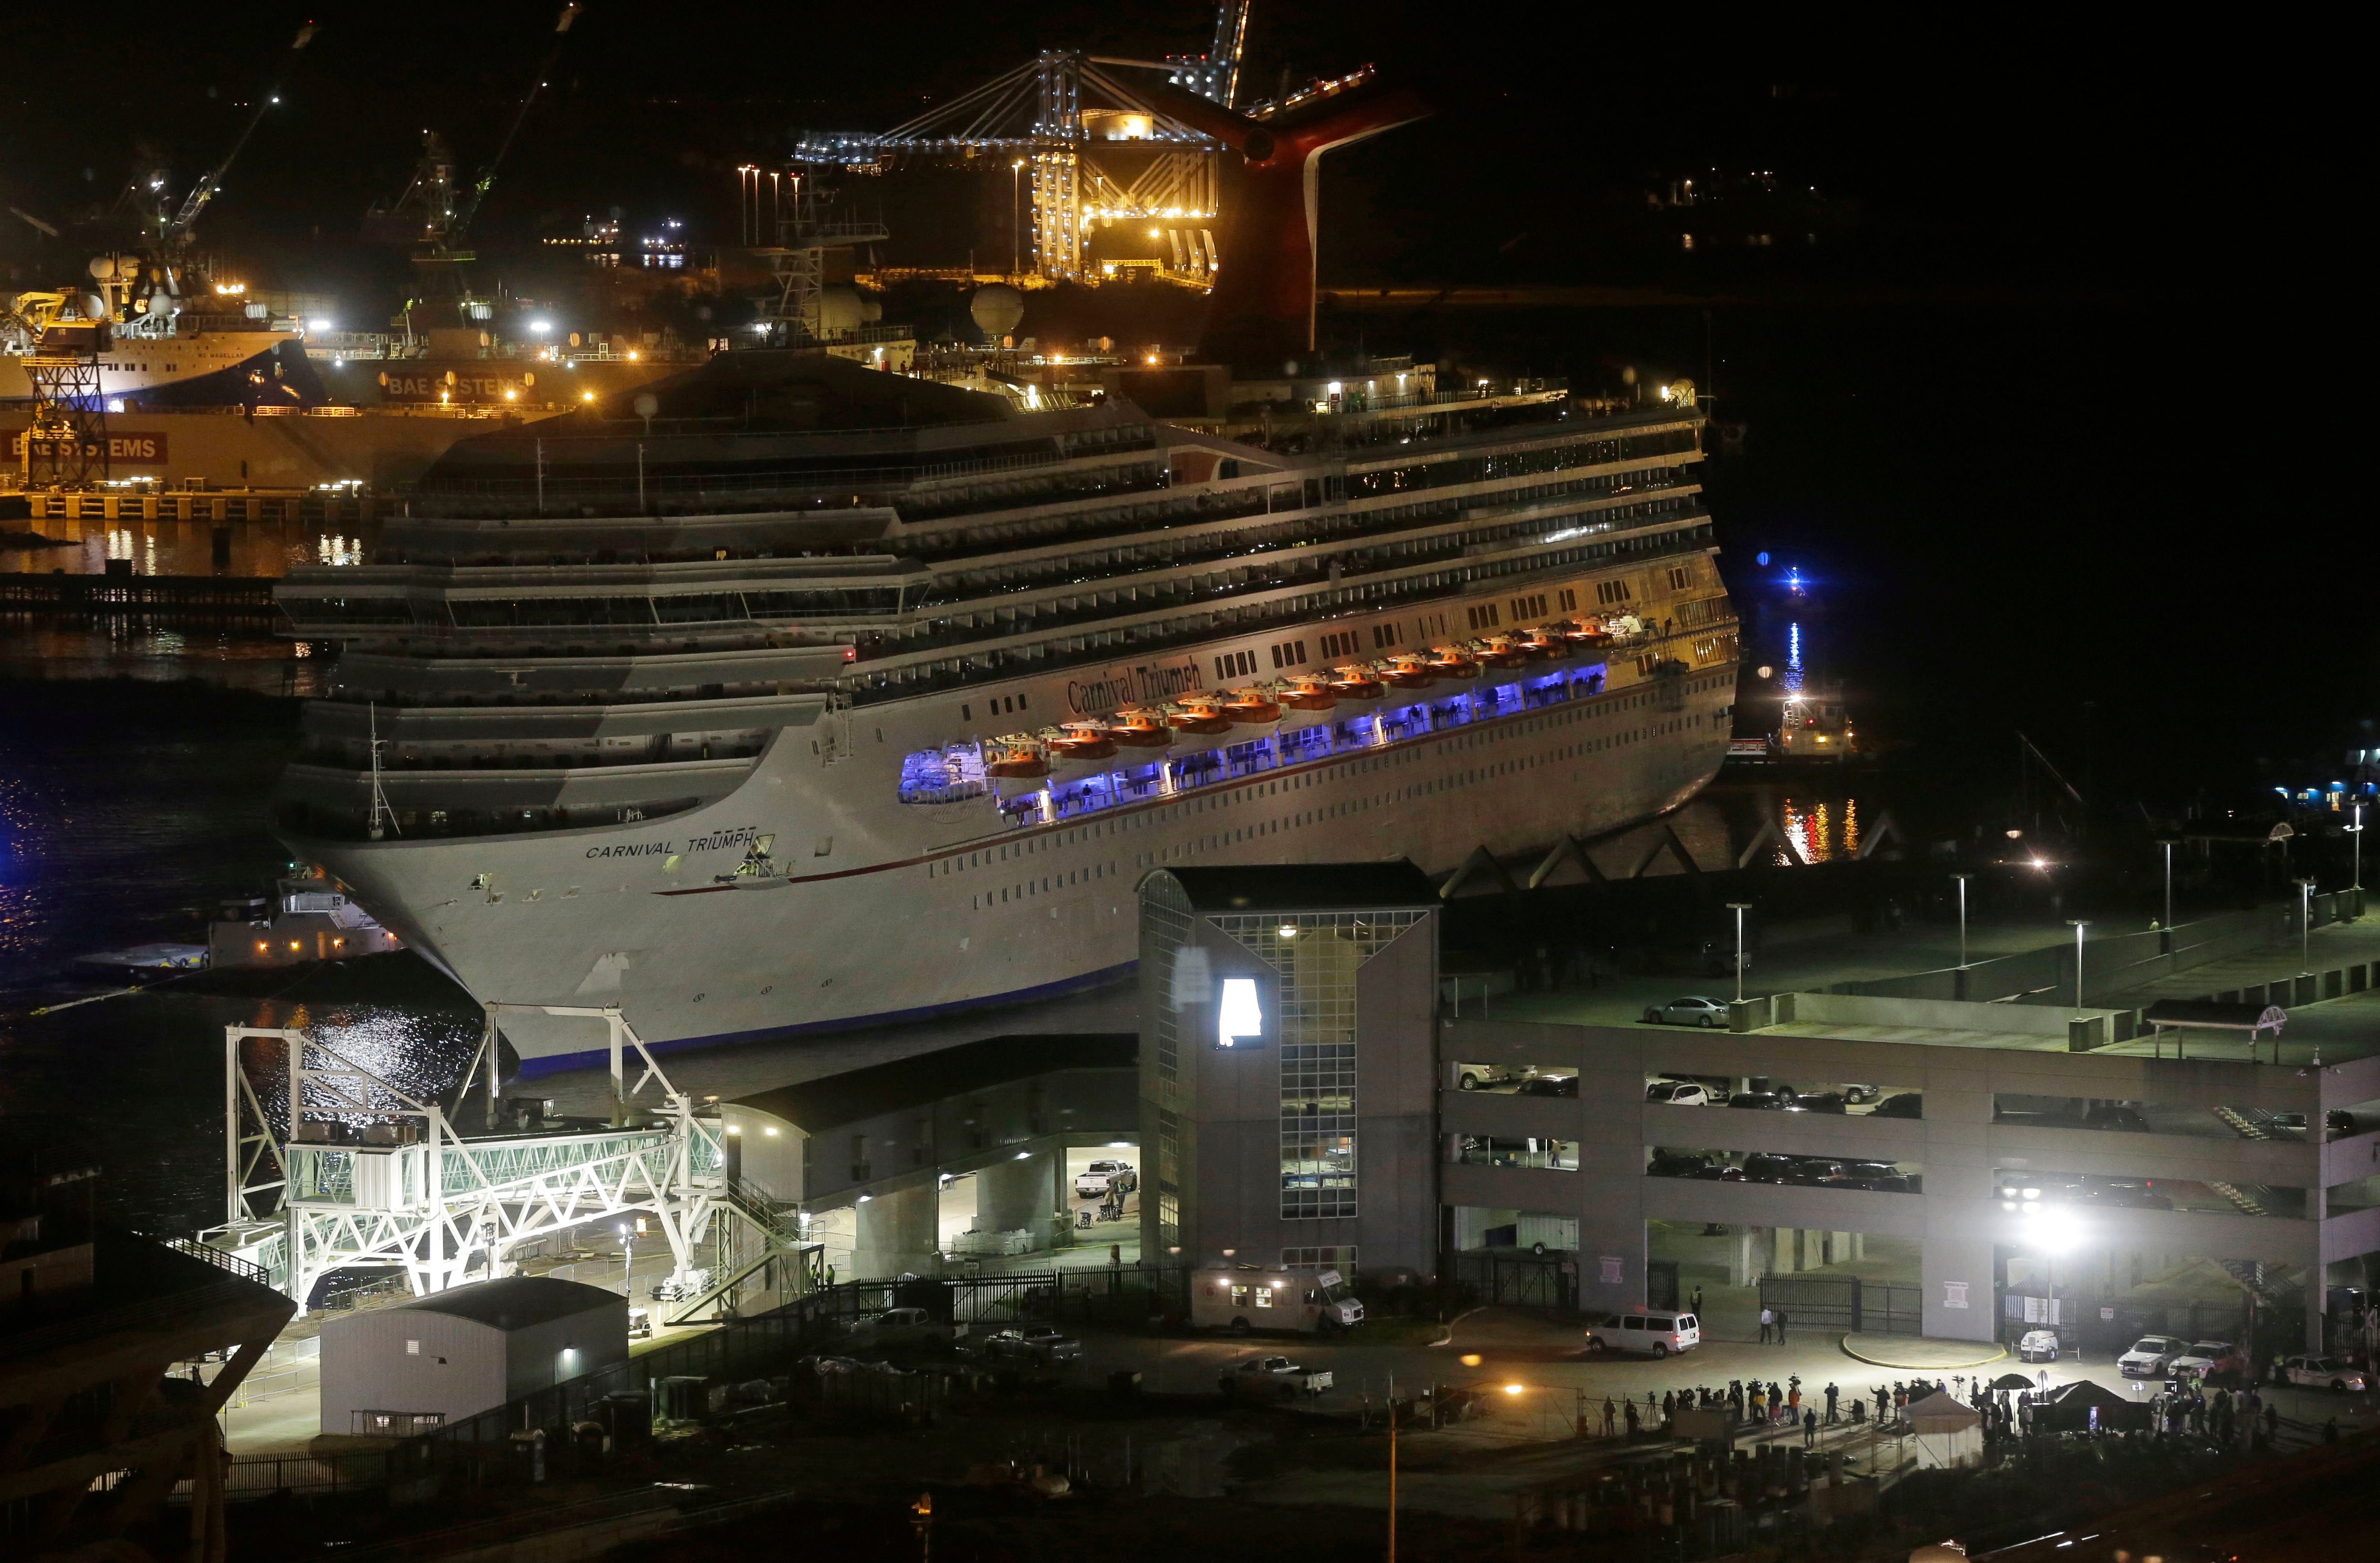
x,y
125,450
453,385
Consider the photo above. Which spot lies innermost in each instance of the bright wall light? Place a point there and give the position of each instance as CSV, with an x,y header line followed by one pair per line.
x,y
1238,1015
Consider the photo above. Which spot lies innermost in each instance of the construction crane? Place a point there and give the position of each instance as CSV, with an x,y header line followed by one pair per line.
x,y
433,216
1093,148
175,232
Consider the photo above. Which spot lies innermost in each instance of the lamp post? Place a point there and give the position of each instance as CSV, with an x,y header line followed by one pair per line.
x,y
2305,926
2168,889
627,1260
2355,840
1739,908
2079,923
1962,919
1392,1468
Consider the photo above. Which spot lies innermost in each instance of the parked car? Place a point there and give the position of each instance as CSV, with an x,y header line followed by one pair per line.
x,y
2209,1358
1273,1376
1659,1335
1550,1085
1676,1164
2150,1357
1819,1101
1098,1176
1479,1077
2322,1373
2115,1116
1908,1104
1692,1011
1766,1101
1035,1342
1762,1167
1812,1170
1859,1095
1678,1093
2037,1346
905,1326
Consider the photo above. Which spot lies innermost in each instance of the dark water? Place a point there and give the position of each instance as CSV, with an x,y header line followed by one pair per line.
x,y
125,806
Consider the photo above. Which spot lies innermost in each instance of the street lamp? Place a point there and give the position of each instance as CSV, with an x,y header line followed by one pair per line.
x,y
2305,926
627,1259
2080,924
1962,919
1739,908
2355,839
2168,891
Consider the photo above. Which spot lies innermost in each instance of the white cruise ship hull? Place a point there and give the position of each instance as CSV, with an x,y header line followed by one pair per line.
x,y
878,911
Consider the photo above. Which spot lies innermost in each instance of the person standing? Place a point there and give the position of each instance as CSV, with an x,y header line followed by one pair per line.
x,y
1794,1398
1831,1417
1699,1302
1610,1415
1781,1326
1628,1408
1767,1327
1810,1428
1759,1402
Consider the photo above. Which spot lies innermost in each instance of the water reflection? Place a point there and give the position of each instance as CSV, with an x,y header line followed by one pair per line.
x,y
196,547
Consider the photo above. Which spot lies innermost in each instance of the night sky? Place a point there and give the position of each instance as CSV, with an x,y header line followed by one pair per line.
x,y
2063,404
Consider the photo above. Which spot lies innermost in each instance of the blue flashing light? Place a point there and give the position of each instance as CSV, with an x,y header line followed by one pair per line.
x,y
1763,556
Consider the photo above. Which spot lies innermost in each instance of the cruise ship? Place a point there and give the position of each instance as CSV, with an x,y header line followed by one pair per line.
x,y
828,697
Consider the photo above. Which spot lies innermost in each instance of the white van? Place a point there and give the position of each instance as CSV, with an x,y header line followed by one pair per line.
x,y
1645,1332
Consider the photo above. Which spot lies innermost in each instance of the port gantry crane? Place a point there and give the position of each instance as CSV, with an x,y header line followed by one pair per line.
x,y
1090,144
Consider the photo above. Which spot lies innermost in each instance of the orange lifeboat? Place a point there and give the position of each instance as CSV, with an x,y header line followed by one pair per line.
x,y
1314,694
1503,654
1251,708
1545,646
1016,759
1357,686
1081,742
1140,729
1587,633
1452,663
1409,673
1197,716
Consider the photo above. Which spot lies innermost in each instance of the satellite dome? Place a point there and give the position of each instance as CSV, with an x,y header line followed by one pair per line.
x,y
997,309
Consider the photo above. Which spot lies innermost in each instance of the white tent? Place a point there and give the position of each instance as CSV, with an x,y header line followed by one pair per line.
x,y
1948,1432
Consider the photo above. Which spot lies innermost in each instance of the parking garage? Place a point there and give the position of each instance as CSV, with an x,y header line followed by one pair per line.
x,y
1959,1170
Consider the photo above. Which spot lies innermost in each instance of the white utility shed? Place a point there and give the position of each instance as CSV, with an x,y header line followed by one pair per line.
x,y
439,1359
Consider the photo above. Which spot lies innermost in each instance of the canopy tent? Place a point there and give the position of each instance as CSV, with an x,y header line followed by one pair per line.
x,y
2085,1407
1949,1431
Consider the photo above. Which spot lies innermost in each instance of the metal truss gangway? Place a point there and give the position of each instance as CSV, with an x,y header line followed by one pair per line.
x,y
329,1166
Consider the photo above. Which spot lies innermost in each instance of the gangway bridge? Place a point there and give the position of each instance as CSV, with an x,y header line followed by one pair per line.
x,y
328,1166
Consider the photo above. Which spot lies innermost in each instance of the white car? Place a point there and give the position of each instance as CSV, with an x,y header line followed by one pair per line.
x,y
2207,1357
2323,1372
2152,1356
1659,1335
1691,1010
2037,1346
1099,1177
1678,1093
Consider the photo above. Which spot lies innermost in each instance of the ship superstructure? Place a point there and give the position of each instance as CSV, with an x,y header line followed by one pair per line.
x,y
830,697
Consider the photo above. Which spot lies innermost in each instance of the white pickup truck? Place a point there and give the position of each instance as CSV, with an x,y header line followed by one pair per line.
x,y
1275,1374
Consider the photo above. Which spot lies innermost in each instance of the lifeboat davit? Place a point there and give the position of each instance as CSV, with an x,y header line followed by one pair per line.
x,y
1015,759
1140,729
